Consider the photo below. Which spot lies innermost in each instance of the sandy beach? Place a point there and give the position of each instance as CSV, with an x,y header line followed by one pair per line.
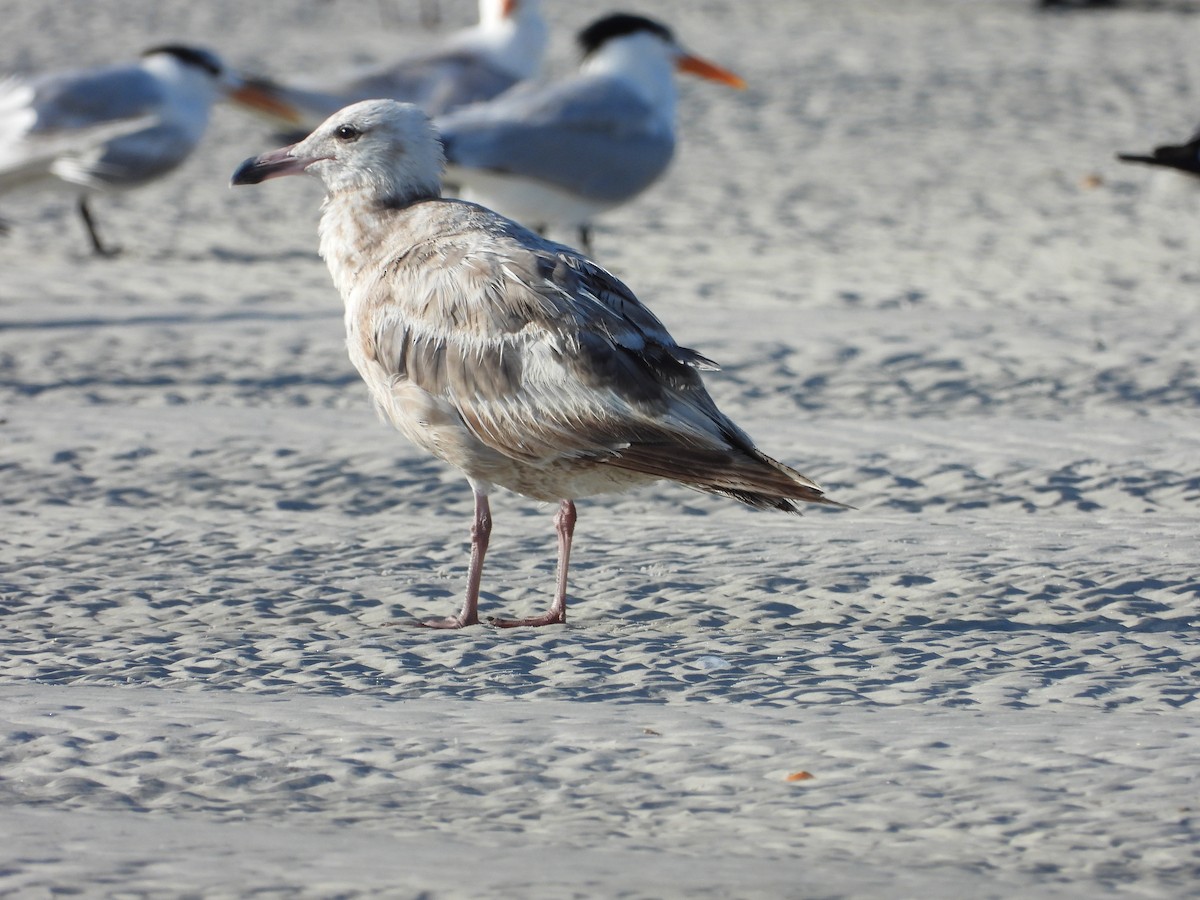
x,y
931,288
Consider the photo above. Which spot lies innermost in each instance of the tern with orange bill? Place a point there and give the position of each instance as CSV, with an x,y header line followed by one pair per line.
x,y
469,66
557,155
116,127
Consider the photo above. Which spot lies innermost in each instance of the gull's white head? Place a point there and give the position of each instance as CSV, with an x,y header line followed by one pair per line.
x,y
384,149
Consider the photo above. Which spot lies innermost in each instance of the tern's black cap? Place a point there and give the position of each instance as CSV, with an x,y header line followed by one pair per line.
x,y
618,25
193,56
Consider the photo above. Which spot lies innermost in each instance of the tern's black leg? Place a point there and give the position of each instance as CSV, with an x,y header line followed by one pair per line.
x,y
585,239
97,244
584,234
431,13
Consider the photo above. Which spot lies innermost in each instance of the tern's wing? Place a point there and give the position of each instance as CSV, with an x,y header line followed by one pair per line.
x,y
129,160
47,120
592,137
437,83
75,100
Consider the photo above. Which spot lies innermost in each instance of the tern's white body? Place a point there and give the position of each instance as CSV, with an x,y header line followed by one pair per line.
x,y
560,154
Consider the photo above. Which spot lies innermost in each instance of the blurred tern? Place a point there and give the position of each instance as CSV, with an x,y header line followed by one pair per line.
x,y
559,154
1183,157
471,65
115,127
517,360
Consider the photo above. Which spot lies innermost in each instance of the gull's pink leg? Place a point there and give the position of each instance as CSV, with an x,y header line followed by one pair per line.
x,y
481,530
564,524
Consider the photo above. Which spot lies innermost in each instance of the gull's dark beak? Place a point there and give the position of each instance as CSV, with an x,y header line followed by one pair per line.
x,y
275,164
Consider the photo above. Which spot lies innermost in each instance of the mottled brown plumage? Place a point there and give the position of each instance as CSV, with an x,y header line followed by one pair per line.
x,y
515,359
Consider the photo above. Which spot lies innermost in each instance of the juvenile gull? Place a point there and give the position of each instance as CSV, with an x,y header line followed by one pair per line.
x,y
517,360
469,66
559,154
115,127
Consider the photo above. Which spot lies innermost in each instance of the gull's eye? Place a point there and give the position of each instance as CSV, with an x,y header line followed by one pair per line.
x,y
347,133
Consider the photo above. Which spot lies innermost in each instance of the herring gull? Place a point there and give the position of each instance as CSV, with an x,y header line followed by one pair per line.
x,y
517,360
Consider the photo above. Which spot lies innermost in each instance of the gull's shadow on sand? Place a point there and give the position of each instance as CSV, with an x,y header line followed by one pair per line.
x,y
245,257
1181,624
276,383
167,319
